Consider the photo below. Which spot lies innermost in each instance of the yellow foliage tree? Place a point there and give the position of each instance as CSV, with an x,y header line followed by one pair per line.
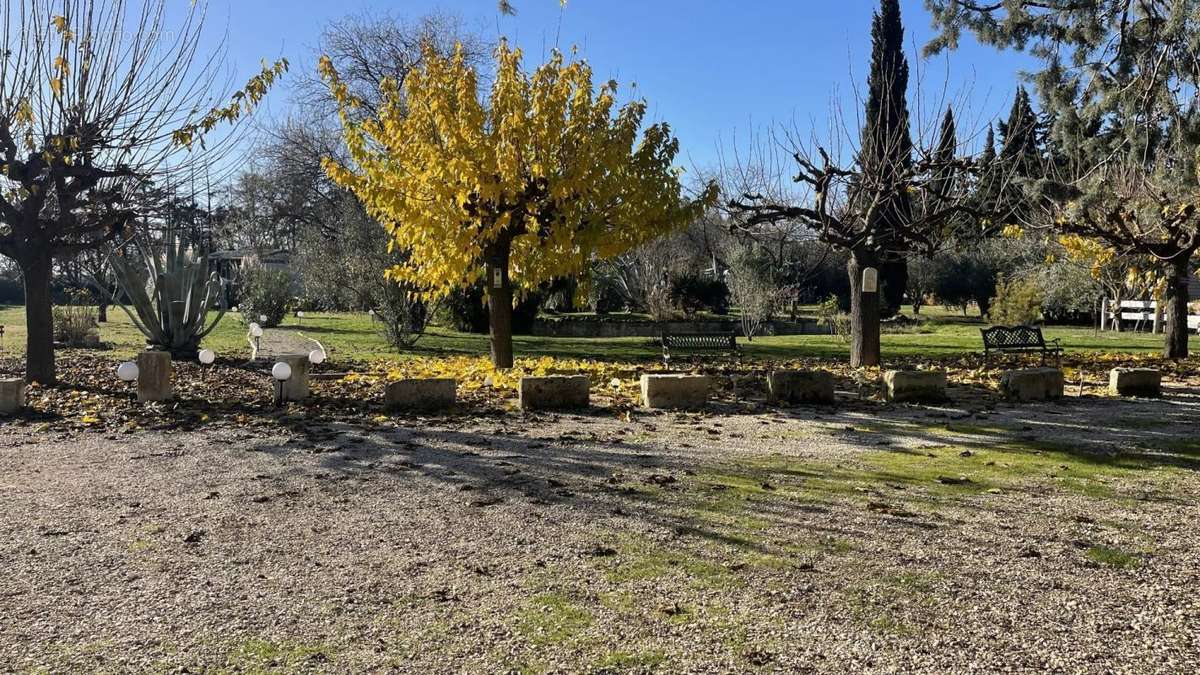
x,y
531,183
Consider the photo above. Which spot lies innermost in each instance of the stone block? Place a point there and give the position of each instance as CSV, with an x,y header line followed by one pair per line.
x,y
801,386
12,396
422,394
154,377
295,388
902,386
1145,382
554,392
1033,384
675,391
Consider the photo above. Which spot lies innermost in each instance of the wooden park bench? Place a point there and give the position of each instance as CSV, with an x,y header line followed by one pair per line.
x,y
680,342
1019,340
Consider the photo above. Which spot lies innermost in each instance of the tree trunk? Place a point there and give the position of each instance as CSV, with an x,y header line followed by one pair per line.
x,y
500,306
39,321
864,313
102,313
1176,343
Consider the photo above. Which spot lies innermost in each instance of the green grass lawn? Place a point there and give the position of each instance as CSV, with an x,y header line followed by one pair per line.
x,y
355,336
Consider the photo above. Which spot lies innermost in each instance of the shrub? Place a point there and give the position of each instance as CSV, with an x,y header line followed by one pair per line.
x,y
1017,302
76,324
466,311
693,292
402,316
753,289
264,292
830,315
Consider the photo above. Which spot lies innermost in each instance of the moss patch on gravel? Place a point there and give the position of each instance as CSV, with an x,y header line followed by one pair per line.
x,y
260,655
1112,557
553,618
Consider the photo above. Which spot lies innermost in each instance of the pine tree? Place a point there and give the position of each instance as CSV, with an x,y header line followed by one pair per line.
x,y
1117,81
886,150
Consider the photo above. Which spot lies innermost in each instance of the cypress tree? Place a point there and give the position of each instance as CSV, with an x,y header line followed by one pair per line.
x,y
1019,144
887,144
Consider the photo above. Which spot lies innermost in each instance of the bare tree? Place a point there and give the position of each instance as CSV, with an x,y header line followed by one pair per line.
x,y
98,97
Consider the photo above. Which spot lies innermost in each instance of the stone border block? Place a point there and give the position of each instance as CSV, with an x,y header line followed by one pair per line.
x,y
801,386
902,386
675,391
12,396
154,377
420,394
554,392
1142,382
296,386
1033,384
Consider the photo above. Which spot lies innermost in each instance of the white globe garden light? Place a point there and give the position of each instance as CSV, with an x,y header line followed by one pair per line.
x,y
256,330
316,357
207,356
234,308
262,318
128,371
281,371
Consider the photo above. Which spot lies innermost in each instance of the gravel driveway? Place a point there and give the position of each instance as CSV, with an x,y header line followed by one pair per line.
x,y
870,538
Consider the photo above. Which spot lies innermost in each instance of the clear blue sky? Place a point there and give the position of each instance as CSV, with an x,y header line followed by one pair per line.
x,y
711,68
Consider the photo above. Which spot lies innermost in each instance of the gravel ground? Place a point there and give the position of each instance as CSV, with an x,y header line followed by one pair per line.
x,y
739,540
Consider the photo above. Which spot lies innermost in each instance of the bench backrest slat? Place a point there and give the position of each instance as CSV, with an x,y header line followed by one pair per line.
x,y
1013,337
699,340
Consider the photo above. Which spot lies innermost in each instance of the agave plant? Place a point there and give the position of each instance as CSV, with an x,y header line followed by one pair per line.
x,y
170,291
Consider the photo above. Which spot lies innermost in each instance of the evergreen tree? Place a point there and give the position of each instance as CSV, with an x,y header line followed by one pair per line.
x,y
988,156
1019,138
886,151
1118,81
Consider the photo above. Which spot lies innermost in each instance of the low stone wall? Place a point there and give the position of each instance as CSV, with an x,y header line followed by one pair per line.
x,y
617,328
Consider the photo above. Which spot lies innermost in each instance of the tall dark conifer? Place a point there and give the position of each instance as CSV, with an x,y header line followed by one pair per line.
x,y
989,148
1019,144
887,144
